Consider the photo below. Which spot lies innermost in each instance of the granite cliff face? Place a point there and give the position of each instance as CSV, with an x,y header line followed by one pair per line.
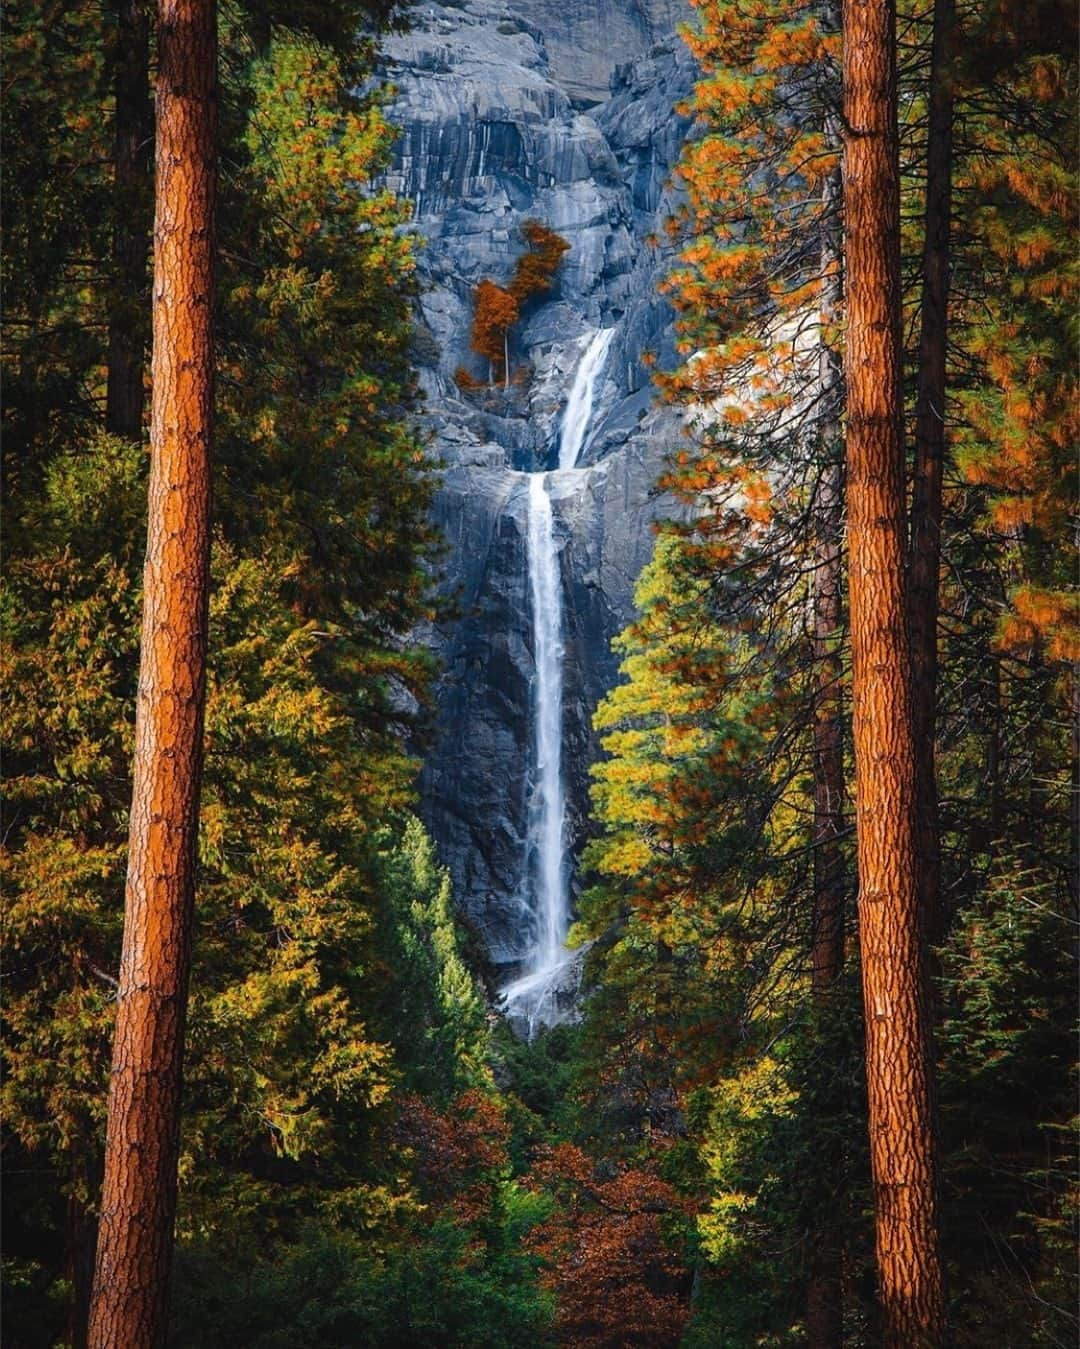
x,y
511,110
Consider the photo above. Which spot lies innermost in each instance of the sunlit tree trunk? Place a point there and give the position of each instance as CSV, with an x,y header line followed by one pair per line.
x,y
898,1069
929,458
139,1194
132,141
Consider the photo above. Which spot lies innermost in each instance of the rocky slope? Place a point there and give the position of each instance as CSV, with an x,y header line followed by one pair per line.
x,y
510,110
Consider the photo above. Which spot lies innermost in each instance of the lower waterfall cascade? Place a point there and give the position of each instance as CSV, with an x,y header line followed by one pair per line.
x,y
536,998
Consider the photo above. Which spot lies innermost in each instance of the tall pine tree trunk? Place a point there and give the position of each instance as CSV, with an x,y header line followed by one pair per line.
x,y
139,1193
132,141
824,1305
929,459
895,995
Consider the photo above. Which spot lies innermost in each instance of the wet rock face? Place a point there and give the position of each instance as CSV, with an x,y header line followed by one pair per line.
x,y
560,110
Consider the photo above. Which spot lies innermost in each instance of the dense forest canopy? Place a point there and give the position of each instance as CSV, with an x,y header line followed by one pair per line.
x,y
818,1083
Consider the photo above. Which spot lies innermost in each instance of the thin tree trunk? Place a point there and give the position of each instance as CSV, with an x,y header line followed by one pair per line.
x,y
1072,880
824,1302
985,830
139,1194
80,1234
132,141
929,459
895,995
506,358
993,755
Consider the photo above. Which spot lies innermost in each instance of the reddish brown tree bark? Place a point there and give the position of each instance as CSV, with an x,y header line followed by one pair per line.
x,y
139,1194
929,460
895,995
132,141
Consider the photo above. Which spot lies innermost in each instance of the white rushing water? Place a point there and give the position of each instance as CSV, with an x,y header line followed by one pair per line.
x,y
577,415
550,810
534,997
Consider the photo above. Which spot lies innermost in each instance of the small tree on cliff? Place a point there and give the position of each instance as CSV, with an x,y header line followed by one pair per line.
x,y
535,269
496,312
498,309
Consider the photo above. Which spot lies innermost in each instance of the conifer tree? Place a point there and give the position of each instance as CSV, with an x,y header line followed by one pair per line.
x,y
895,992
142,1143
57,217
1018,401
763,295
930,421
133,142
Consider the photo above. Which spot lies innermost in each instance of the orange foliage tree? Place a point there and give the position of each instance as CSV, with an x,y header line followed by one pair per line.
x,y
496,313
534,272
618,1283
1019,403
458,1155
497,309
760,297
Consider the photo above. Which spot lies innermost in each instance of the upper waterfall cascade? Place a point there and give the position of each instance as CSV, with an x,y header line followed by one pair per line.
x,y
534,998
577,416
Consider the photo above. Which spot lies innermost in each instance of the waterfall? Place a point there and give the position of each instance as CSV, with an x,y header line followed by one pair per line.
x,y
577,415
534,997
550,809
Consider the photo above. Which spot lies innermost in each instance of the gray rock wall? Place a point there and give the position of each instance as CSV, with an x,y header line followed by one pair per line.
x,y
512,109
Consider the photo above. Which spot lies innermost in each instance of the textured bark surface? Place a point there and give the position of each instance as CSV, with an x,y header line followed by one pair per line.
x,y
929,458
139,1193
824,1300
132,142
902,1144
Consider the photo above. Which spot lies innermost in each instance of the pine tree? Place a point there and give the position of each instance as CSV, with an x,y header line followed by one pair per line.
x,y
1017,400
133,142
930,417
58,212
895,993
139,1191
763,296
